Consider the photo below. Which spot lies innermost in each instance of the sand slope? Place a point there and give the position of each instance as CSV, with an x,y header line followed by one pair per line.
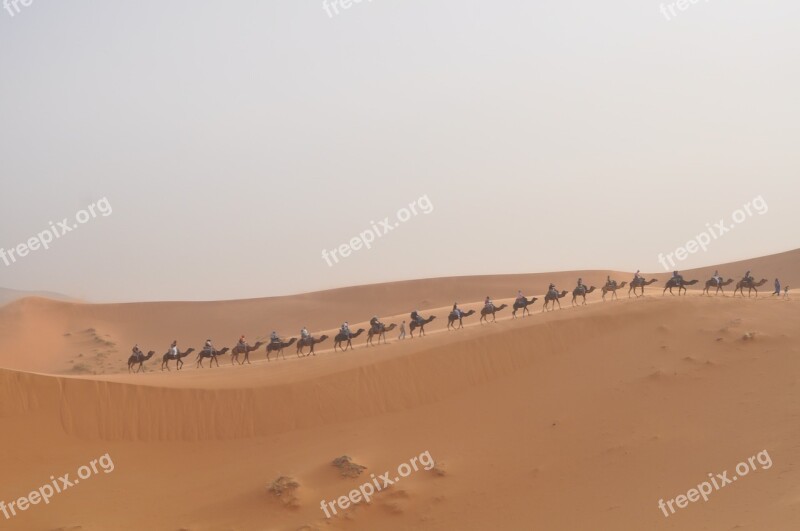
x,y
575,419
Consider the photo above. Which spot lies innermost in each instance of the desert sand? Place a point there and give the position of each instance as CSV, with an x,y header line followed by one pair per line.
x,y
577,419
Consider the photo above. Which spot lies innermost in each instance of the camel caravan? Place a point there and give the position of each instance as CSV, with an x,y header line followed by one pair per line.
x,y
343,340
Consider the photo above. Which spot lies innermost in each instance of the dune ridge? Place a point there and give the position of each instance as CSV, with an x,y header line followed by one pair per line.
x,y
89,407
54,328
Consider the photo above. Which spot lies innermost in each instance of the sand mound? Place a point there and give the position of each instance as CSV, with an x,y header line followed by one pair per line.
x,y
547,422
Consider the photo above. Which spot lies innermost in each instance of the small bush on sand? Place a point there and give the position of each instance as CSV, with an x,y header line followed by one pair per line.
x,y
347,467
284,489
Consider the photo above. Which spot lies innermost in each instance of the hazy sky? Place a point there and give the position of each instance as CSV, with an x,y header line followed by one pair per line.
x,y
234,141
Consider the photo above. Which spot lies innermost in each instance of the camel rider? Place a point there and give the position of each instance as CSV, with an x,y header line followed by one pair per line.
x,y
274,338
747,277
345,329
173,349
456,310
716,277
374,322
637,276
677,278
581,285
208,347
136,350
304,333
552,288
242,344
416,317
610,282
520,297
488,303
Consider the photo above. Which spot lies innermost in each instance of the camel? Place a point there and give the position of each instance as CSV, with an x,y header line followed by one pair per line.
x,y
672,283
380,331
178,361
419,324
309,342
272,347
613,287
453,317
244,350
713,282
140,359
213,355
553,295
581,292
523,303
341,338
640,283
750,285
486,310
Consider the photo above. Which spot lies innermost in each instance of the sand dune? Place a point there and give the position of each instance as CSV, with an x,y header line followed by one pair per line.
x,y
575,419
9,295
97,338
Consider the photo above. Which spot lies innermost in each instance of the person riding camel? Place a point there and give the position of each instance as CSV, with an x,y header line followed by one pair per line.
x,y
717,278
137,351
747,278
304,333
552,288
375,322
274,337
456,310
488,304
416,317
345,329
520,297
610,282
242,344
208,347
581,285
173,349
637,276
678,279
